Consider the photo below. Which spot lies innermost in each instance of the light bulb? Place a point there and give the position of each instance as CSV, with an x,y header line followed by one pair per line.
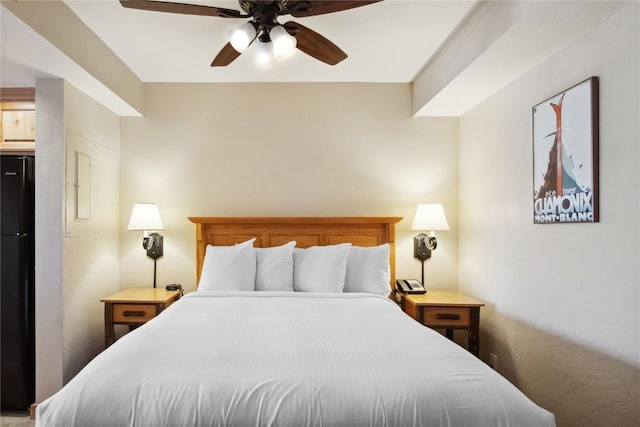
x,y
264,53
283,42
241,37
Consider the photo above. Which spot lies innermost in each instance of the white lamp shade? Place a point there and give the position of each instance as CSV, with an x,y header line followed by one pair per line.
x,y
283,42
264,53
241,37
145,216
430,218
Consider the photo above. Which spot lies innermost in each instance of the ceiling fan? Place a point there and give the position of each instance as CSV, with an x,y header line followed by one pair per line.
x,y
273,40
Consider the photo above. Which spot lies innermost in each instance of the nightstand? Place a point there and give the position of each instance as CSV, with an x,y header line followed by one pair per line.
x,y
134,307
446,310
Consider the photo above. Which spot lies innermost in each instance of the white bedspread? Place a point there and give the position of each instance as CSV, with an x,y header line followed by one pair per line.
x,y
287,359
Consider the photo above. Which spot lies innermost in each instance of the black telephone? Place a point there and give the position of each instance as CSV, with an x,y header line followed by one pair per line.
x,y
410,286
175,287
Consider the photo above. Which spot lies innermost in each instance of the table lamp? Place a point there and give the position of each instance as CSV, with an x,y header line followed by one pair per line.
x,y
431,218
146,217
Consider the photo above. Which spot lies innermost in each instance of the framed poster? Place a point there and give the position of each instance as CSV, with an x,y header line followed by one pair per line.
x,y
565,156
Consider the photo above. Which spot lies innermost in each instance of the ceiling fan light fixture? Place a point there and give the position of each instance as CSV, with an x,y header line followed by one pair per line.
x,y
241,37
263,18
283,43
264,53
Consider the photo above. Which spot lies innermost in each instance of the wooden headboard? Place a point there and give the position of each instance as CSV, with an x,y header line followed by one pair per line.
x,y
306,231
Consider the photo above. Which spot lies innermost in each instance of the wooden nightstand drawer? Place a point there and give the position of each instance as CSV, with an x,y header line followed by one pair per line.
x,y
133,312
134,307
446,310
447,317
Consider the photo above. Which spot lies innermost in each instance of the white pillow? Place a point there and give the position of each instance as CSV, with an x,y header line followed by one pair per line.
x,y
229,268
275,268
320,268
368,270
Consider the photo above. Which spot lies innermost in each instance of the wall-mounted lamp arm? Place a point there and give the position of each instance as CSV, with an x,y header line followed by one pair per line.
x,y
430,242
147,241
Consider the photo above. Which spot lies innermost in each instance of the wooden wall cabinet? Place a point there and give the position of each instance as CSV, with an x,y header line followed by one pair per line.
x,y
17,120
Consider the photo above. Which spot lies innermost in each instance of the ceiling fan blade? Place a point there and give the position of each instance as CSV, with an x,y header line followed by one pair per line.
x,y
187,9
314,44
324,6
225,57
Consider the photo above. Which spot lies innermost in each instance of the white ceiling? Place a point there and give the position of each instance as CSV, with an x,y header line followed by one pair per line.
x,y
455,52
388,41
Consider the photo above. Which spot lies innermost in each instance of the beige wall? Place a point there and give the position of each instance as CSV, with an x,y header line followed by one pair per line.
x,y
563,300
49,217
76,262
91,247
283,150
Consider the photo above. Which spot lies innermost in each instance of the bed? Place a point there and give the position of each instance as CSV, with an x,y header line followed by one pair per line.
x,y
311,356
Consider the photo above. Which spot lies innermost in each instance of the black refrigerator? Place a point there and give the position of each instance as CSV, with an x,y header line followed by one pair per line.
x,y
17,345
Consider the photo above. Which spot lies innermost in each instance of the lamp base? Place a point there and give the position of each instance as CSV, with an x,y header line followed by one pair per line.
x,y
420,248
155,250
